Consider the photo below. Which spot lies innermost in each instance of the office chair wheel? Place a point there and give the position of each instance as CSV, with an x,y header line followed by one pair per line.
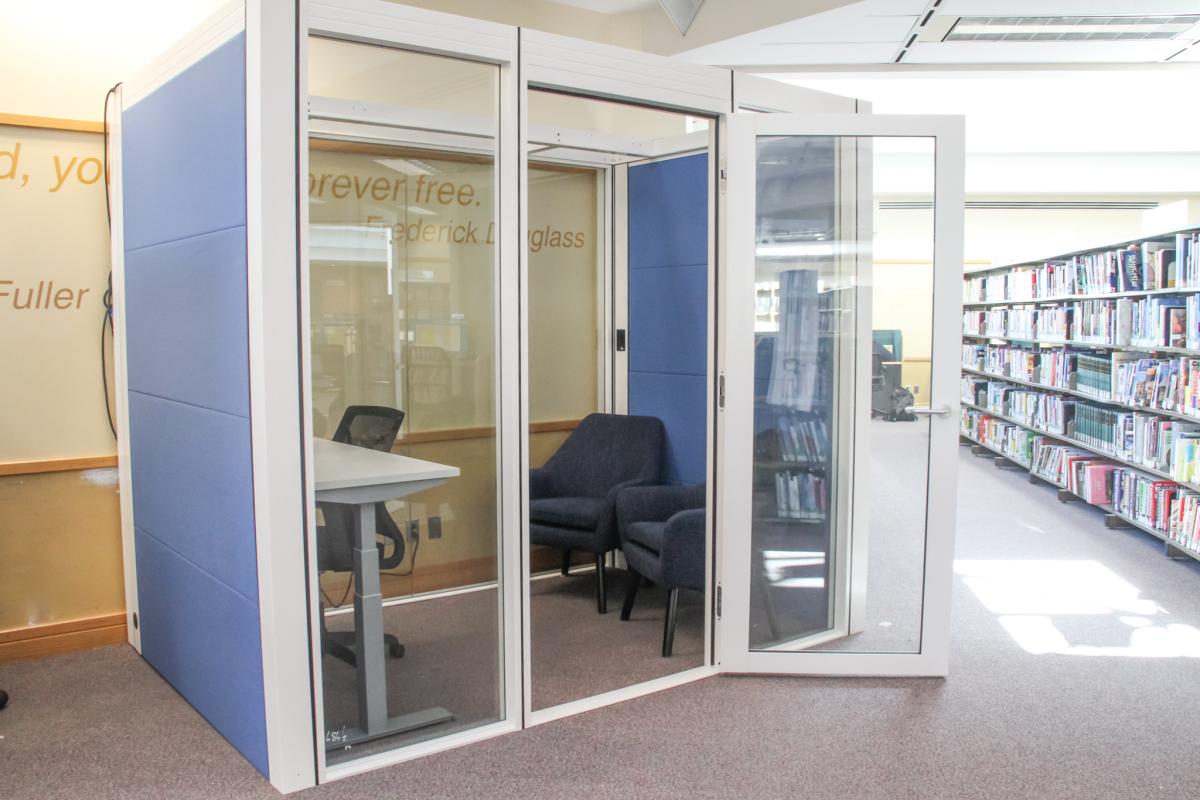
x,y
396,650
3,698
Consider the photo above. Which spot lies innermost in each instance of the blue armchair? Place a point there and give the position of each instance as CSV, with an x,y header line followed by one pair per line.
x,y
572,499
662,536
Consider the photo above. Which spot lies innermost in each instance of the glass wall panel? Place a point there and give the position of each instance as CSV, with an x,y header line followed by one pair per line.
x,y
403,264
817,238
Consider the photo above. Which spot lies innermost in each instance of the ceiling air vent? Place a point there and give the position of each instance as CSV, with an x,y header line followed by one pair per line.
x,y
1042,205
1068,29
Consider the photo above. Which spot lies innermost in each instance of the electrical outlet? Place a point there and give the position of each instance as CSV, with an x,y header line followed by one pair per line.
x,y
414,529
435,527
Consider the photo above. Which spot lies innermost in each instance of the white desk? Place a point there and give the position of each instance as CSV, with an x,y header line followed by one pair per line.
x,y
361,477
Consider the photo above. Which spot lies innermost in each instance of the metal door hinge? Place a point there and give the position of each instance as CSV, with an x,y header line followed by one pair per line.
x,y
724,174
718,601
721,390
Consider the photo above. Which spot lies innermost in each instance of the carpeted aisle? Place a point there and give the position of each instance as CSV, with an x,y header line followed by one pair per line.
x,y
1074,675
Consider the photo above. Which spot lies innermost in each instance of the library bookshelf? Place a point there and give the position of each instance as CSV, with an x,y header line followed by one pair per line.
x,y
1083,369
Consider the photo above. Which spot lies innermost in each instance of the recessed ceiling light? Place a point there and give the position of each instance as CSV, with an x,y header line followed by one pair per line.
x,y
1068,29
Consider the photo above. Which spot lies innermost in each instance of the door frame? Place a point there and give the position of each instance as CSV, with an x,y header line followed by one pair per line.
x,y
736,423
602,72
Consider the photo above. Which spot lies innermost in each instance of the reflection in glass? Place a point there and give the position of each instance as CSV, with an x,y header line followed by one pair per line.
x,y
795,378
402,260
814,243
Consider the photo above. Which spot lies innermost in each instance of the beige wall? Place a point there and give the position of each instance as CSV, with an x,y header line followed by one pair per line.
x,y
60,539
53,237
60,547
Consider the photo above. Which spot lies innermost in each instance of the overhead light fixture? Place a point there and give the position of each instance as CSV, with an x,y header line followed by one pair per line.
x,y
409,166
681,12
1068,29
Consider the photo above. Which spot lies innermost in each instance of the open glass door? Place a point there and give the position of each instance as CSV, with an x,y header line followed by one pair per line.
x,y
838,425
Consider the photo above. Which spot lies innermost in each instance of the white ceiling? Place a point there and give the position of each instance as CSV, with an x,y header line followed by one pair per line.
x,y
609,6
1038,111
876,31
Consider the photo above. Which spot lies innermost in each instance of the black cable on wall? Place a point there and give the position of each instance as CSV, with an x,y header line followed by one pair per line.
x,y
106,323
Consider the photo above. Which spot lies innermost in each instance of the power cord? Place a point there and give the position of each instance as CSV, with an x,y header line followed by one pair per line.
x,y
106,323
412,564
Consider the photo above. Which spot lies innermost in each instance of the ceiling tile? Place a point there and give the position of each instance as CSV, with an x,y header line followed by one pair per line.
x,y
844,29
828,53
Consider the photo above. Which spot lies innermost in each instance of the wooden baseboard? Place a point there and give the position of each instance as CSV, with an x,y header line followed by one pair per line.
x,y
55,638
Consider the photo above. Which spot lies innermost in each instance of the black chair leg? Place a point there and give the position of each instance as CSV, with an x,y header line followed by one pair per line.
x,y
632,582
566,562
669,627
601,588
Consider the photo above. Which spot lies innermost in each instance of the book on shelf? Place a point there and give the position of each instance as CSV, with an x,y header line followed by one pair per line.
x,y
1168,508
1158,265
973,355
803,440
800,495
973,390
1129,270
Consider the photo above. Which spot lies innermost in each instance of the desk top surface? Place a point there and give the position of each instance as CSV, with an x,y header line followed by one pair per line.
x,y
343,466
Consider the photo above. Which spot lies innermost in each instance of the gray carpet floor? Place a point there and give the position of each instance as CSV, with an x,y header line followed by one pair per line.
x,y
1074,674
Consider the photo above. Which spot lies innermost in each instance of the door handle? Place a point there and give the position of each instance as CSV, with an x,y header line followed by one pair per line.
x,y
928,411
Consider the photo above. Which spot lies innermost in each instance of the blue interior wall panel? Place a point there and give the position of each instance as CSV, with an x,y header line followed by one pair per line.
x,y
183,167
183,153
206,283
668,307
196,633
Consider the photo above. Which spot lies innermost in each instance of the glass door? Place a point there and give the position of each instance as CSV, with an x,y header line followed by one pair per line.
x,y
838,422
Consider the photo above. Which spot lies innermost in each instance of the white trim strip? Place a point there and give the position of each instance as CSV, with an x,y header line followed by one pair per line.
x,y
378,22
369,763
272,184
121,372
594,702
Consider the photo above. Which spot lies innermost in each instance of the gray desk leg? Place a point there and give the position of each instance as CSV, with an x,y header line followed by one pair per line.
x,y
368,626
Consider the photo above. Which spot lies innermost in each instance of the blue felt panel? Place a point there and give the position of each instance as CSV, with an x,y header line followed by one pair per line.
x,y
668,319
203,637
668,213
668,306
193,486
680,402
184,152
185,321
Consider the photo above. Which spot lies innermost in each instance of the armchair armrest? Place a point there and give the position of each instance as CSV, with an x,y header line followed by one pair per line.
x,y
683,549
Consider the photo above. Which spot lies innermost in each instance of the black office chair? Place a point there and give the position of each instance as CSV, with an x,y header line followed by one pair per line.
x,y
572,499
375,428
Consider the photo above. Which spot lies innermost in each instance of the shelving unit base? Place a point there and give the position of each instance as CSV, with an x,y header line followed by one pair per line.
x,y
1112,519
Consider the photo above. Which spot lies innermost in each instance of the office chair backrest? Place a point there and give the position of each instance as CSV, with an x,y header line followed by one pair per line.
x,y
373,427
604,450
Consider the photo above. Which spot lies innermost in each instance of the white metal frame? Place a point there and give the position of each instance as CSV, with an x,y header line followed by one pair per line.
x,y
558,63
382,23
735,466
280,453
